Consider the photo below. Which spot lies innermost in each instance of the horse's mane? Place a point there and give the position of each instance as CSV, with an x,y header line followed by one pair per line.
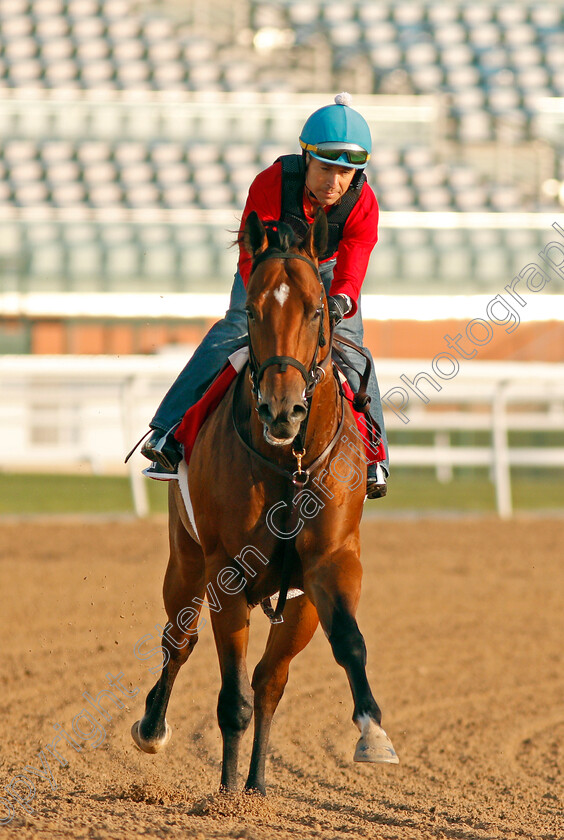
x,y
281,238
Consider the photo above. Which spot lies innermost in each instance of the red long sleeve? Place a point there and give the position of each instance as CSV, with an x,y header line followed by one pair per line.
x,y
359,236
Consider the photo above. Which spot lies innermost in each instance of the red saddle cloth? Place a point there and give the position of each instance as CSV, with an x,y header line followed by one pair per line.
x,y
194,418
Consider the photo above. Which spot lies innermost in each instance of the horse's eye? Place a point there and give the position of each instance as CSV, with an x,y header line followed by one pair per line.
x,y
317,313
250,313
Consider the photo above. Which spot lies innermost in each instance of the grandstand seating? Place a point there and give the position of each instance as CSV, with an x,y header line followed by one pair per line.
x,y
168,174
491,61
512,52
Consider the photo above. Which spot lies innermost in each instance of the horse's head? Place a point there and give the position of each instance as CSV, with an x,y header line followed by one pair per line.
x,y
288,323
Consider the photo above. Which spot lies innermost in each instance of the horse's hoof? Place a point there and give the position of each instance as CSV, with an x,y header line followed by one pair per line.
x,y
150,746
255,790
374,746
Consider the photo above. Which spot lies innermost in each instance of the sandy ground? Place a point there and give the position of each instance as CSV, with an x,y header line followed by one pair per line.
x,y
464,623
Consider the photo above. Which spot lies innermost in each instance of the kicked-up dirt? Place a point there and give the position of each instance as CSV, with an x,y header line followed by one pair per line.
x,y
464,624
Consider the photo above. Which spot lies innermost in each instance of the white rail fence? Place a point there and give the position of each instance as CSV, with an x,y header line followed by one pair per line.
x,y
84,413
492,397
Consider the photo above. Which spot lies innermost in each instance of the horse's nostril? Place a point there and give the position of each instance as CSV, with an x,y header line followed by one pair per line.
x,y
299,412
263,412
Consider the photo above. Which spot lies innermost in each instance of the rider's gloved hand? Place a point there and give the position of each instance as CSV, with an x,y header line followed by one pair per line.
x,y
339,306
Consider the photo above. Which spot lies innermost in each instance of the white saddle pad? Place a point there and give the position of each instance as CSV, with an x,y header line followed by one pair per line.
x,y
183,484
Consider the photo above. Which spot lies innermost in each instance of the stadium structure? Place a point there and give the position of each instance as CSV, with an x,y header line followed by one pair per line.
x,y
130,132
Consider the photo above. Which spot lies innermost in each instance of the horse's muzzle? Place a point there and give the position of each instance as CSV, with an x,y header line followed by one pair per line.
x,y
282,428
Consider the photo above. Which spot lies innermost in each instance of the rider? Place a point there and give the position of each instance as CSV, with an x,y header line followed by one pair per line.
x,y
336,146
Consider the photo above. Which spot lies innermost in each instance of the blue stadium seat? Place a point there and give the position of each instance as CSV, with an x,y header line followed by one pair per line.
x,y
179,196
336,13
268,153
428,79
471,199
475,14
442,13
421,54
163,153
475,126
303,13
77,9
172,174
454,258
485,36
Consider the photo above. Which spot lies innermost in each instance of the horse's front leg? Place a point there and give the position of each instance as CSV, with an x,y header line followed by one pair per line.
x,y
152,732
235,703
285,641
183,591
333,585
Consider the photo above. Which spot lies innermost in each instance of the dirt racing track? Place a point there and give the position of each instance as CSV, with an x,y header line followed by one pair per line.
x,y
464,623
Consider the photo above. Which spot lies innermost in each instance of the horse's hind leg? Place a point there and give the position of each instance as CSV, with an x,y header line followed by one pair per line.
x,y
184,581
334,586
285,641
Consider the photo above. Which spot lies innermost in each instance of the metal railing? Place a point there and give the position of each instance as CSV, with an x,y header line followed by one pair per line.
x,y
69,412
202,116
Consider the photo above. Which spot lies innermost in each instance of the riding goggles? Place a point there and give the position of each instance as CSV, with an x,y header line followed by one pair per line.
x,y
332,151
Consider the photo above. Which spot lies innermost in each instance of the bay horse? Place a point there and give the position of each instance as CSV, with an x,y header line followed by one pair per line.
x,y
261,527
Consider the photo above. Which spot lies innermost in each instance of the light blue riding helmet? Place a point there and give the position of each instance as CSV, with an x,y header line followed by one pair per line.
x,y
338,134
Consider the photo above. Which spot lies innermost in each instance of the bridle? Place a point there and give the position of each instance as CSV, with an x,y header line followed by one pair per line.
x,y
312,377
316,372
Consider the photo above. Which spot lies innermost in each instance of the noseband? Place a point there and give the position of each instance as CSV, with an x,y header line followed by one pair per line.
x,y
316,372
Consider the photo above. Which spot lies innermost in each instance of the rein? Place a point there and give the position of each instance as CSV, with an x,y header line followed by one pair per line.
x,y
361,400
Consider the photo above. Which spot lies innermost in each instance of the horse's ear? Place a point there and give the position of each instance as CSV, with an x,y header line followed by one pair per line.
x,y
255,239
315,242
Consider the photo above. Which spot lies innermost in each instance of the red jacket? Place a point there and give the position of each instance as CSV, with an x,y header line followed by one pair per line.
x,y
359,236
